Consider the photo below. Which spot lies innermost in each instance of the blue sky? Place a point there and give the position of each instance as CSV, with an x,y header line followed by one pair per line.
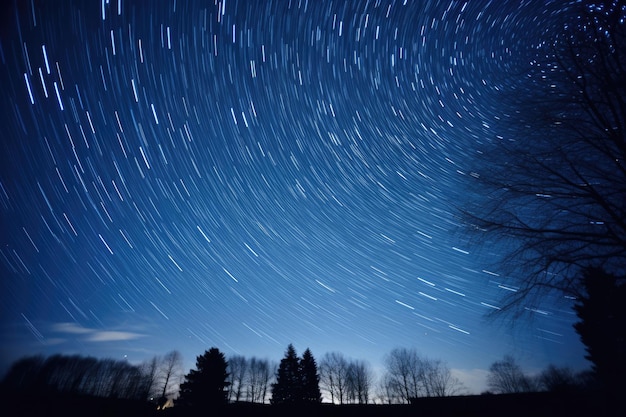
x,y
245,175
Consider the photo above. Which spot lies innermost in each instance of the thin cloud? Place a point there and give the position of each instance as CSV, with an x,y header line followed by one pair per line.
x,y
71,328
95,335
112,336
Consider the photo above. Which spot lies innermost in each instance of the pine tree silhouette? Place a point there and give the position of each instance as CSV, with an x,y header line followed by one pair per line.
x,y
297,380
205,387
310,378
602,328
288,386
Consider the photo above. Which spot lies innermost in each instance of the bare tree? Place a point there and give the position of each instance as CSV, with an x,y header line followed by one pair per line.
x,y
333,371
388,391
258,380
101,374
404,373
169,376
506,377
237,369
557,379
438,380
271,380
359,382
149,370
553,179
77,375
89,381
410,375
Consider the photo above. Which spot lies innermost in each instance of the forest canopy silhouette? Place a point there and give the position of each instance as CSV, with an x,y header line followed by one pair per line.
x,y
83,384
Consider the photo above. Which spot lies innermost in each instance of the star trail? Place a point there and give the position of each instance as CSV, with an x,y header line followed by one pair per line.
x,y
245,175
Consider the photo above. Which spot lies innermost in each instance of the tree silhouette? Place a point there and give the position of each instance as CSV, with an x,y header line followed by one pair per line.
x,y
334,374
410,375
168,377
552,181
388,391
404,373
506,377
310,378
554,379
205,386
258,380
288,386
149,370
438,380
77,375
237,370
602,326
23,373
359,381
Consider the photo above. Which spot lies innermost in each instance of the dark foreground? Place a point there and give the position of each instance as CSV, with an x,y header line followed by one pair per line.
x,y
522,405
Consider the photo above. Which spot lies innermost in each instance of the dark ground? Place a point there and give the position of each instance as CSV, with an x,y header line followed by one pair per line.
x,y
522,405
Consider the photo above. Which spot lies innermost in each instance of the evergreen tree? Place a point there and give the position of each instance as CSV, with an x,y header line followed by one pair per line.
x,y
602,328
310,378
288,386
205,387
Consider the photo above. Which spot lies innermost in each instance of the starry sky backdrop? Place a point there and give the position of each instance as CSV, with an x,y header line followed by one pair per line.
x,y
189,174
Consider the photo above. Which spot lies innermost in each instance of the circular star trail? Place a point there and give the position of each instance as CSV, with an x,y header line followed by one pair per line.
x,y
188,174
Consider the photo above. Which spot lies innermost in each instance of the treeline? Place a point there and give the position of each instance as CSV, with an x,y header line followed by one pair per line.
x,y
249,379
507,377
407,376
61,374
338,379
155,380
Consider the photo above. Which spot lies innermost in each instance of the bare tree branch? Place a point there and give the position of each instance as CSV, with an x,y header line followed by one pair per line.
x,y
553,184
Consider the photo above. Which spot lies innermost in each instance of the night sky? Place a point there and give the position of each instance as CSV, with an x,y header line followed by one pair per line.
x,y
245,175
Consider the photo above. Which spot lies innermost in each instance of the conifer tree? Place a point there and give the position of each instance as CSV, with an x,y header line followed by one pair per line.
x,y
602,326
310,378
205,387
288,386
